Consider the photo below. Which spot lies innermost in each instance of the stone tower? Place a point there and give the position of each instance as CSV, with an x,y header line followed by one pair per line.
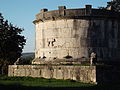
x,y
77,33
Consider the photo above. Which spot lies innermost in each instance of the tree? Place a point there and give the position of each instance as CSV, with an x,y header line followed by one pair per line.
x,y
115,5
112,5
11,43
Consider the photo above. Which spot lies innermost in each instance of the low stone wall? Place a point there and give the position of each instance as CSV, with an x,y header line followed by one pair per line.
x,y
85,74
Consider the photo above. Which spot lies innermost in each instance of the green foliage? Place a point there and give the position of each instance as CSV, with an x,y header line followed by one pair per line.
x,y
11,42
69,64
115,4
26,58
3,66
26,61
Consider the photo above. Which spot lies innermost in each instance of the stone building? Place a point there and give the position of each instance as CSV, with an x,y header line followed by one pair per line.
x,y
77,33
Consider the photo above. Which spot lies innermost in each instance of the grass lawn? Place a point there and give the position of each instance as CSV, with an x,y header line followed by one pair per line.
x,y
24,83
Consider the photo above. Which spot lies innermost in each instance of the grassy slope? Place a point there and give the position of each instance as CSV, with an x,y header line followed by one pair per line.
x,y
28,83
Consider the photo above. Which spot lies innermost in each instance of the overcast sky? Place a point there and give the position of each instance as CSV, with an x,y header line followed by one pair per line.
x,y
21,13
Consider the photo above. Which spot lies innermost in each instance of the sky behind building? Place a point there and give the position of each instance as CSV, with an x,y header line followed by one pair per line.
x,y
22,13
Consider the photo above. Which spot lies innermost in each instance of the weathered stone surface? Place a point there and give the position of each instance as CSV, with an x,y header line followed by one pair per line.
x,y
74,13
79,73
78,33
87,74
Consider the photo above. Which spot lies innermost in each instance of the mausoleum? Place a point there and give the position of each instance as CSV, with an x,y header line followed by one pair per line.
x,y
77,33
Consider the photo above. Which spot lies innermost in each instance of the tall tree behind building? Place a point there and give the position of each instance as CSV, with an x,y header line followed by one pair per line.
x,y
112,5
11,43
115,5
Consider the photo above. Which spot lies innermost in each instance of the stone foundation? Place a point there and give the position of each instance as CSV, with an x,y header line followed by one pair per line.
x,y
85,74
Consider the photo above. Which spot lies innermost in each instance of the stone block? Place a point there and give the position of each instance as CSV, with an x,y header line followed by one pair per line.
x,y
79,73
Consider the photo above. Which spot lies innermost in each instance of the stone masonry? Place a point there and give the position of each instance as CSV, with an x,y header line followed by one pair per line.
x,y
85,74
77,33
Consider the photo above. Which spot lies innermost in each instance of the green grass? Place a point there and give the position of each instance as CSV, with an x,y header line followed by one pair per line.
x,y
29,83
41,82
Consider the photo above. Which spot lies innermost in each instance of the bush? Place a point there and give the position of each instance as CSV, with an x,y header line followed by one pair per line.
x,y
26,61
68,57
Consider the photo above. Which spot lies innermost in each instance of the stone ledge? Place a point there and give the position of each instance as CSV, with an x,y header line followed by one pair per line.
x,y
75,14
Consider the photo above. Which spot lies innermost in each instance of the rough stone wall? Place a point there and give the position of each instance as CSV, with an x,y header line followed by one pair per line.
x,y
103,38
57,39
78,38
80,73
77,33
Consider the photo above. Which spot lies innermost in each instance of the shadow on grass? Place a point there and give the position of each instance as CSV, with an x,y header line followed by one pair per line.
x,y
97,87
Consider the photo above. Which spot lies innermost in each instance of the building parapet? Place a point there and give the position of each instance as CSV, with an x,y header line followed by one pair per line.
x,y
63,13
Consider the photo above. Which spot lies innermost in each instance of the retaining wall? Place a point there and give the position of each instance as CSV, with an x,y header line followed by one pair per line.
x,y
85,74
